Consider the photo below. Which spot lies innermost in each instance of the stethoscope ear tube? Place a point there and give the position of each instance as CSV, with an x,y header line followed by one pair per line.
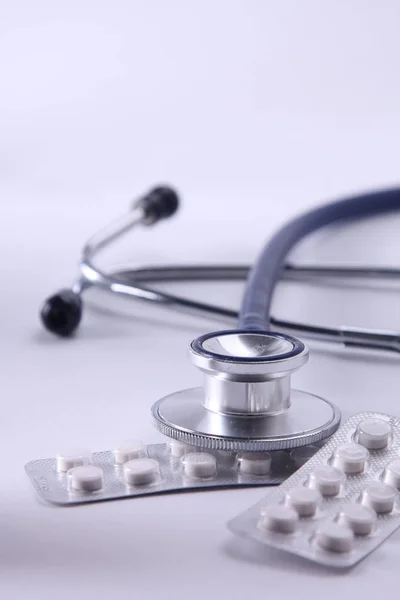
x,y
61,313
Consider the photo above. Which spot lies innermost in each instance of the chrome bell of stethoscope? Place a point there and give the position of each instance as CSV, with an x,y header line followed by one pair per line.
x,y
247,402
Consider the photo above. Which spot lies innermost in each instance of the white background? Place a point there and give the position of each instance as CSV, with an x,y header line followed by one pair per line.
x,y
254,110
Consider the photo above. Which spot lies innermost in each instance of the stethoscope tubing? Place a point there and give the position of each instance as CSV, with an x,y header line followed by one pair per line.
x,y
129,283
266,271
134,283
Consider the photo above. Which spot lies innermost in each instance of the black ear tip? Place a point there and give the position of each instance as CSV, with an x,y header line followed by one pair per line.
x,y
62,313
168,197
160,203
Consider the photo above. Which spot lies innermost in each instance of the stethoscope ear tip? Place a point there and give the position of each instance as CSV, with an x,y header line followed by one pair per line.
x,y
62,313
159,203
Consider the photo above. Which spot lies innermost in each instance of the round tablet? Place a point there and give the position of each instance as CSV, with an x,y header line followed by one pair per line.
x,y
350,458
279,518
86,479
327,480
303,500
331,536
360,519
72,458
199,464
254,463
379,496
374,434
391,475
179,449
141,471
129,451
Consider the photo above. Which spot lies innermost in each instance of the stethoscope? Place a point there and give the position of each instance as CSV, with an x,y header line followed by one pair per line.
x,y
247,403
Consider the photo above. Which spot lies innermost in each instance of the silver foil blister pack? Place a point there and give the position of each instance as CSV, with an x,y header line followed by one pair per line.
x,y
341,504
134,469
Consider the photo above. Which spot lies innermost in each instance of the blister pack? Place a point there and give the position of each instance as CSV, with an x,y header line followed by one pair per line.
x,y
342,504
134,469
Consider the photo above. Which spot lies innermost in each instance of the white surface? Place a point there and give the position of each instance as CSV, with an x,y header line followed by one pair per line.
x,y
255,110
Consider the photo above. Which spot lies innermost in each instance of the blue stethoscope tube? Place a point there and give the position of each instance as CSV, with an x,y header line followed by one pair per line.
x,y
62,312
267,270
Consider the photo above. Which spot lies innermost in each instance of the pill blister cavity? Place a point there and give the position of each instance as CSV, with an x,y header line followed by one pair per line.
x,y
87,478
224,457
129,451
391,474
199,465
334,537
303,500
254,463
279,518
374,434
179,449
327,480
72,458
300,456
350,458
141,471
360,519
379,496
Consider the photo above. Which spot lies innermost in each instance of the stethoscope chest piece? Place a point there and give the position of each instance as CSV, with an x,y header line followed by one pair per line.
x,y
247,402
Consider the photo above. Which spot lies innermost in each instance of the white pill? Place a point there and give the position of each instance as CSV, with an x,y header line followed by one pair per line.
x,y
303,500
199,464
350,458
86,479
129,451
141,471
279,518
327,480
374,434
360,519
254,463
72,458
331,536
179,449
391,475
379,496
